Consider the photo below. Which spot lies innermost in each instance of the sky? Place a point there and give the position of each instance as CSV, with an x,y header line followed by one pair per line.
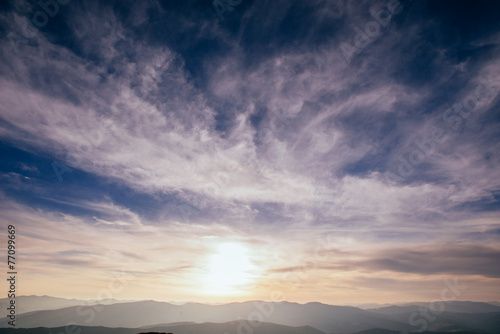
x,y
344,152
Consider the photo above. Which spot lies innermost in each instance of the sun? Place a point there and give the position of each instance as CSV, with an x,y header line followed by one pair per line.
x,y
229,269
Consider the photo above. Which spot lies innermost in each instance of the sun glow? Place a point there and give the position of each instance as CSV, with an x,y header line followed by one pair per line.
x,y
229,269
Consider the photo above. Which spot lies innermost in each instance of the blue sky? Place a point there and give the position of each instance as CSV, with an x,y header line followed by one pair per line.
x,y
147,136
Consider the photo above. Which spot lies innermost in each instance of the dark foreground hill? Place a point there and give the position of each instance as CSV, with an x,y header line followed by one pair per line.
x,y
207,328
386,331
232,327
324,318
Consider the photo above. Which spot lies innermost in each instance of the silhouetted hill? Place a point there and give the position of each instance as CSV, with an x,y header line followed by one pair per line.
x,y
386,331
463,306
25,304
449,306
445,321
148,315
395,310
206,328
327,318
209,328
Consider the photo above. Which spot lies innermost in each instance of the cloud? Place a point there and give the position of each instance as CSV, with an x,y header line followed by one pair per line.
x,y
448,259
258,129
452,260
319,122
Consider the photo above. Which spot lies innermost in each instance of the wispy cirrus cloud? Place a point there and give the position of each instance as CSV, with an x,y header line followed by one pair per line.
x,y
179,125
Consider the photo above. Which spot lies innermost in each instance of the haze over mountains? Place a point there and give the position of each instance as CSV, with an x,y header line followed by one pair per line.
x,y
36,303
314,318
208,328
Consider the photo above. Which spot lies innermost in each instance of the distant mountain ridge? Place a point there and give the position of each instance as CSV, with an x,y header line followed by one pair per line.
x,y
206,328
450,306
38,303
324,317
321,317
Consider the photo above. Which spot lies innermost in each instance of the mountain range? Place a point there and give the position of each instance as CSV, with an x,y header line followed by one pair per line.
x,y
37,303
253,317
206,328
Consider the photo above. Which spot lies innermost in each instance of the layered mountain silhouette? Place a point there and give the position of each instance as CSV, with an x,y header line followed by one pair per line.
x,y
207,328
449,306
259,317
38,303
